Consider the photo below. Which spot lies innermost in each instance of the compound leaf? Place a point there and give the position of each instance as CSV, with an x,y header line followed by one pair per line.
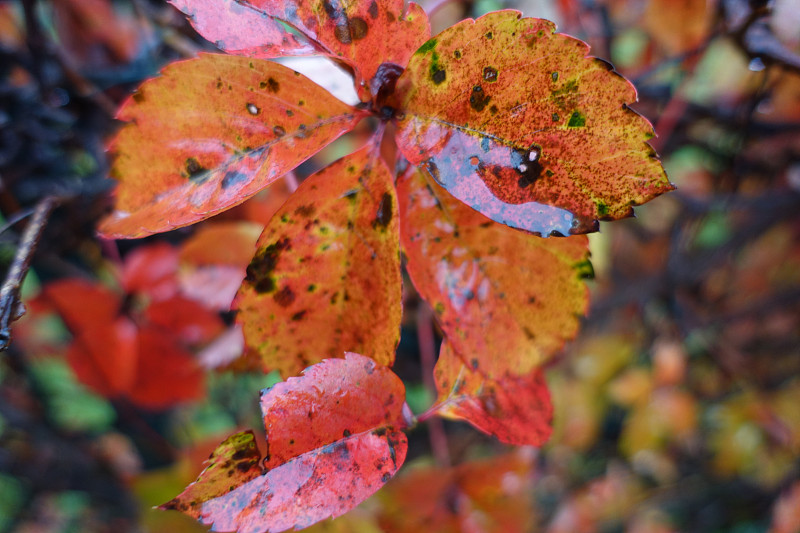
x,y
326,276
333,438
506,301
515,121
514,409
211,132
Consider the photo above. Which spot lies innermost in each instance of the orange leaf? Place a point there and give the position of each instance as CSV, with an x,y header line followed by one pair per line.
x,y
507,301
333,439
211,132
515,121
326,277
515,410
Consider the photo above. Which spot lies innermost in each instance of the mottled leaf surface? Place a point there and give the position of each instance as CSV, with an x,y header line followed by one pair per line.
x,y
355,32
506,300
326,276
333,438
515,121
514,409
238,28
211,132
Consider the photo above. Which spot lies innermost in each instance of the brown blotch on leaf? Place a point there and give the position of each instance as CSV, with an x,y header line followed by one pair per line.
x,y
384,214
373,9
278,131
298,316
478,100
530,168
439,76
352,29
271,85
305,210
490,74
284,297
259,271
138,97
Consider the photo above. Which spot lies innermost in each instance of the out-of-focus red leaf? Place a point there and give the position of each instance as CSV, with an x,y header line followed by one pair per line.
x,y
83,305
514,409
104,356
355,32
214,259
151,270
334,437
166,373
507,301
90,29
326,278
185,319
515,121
490,496
211,132
241,29
786,511
678,25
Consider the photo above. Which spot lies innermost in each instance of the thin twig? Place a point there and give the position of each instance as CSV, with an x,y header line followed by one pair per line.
x,y
427,349
10,306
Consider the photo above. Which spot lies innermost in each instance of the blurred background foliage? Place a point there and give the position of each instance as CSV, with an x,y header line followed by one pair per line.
x,y
677,409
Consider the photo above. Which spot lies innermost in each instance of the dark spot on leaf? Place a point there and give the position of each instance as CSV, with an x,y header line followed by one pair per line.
x,y
386,477
529,166
138,96
233,177
291,441
489,35
585,269
346,433
289,113
243,467
305,210
278,131
554,76
272,85
577,120
351,30
493,110
380,432
193,168
528,333
457,54
384,213
555,117
298,316
439,76
485,144
433,170
329,9
490,74
239,455
478,100
259,271
373,9
474,364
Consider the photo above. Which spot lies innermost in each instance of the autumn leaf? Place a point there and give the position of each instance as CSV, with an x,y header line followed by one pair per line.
x,y
210,133
506,301
515,121
333,438
514,409
354,32
326,276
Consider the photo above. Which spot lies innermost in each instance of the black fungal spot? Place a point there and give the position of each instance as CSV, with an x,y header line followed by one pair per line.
x,y
232,177
138,97
489,35
259,271
312,288
279,131
386,477
346,433
490,74
373,9
289,113
457,54
284,297
439,76
493,110
478,100
529,166
384,213
298,316
555,117
272,85
554,76
577,120
474,363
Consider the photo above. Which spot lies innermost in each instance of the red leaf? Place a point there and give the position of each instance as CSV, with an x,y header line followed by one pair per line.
x,y
83,305
104,356
210,133
333,439
513,119
515,410
237,28
326,277
355,32
166,374
151,270
185,319
506,300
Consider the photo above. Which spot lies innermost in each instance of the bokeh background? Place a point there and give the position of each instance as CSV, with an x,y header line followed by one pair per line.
x,y
677,408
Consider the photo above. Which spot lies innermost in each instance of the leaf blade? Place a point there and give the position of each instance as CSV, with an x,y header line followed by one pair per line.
x,y
256,129
514,120
326,277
